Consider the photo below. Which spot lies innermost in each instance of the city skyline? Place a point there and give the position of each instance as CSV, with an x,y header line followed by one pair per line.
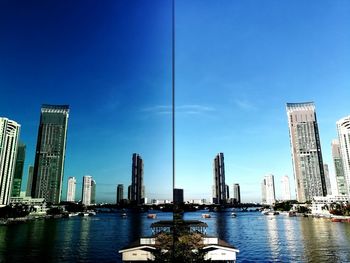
x,y
236,67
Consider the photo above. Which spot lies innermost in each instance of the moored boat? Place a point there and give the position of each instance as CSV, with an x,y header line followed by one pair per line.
x,y
206,216
152,216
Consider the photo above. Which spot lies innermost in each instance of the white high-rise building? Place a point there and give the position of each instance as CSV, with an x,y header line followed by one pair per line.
x,y
343,127
339,168
285,188
9,134
268,190
86,193
306,151
72,183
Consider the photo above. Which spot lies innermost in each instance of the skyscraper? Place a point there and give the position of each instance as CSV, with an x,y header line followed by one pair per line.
x,y
178,196
9,134
50,153
120,193
236,194
227,192
18,174
86,192
327,179
306,151
30,180
339,168
137,188
93,192
343,127
285,188
268,190
72,184
219,188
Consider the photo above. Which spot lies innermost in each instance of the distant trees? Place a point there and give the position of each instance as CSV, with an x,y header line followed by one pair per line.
x,y
284,205
186,248
14,211
342,209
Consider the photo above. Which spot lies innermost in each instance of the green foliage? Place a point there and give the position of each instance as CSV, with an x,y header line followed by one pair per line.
x,y
340,209
186,248
14,211
283,206
303,209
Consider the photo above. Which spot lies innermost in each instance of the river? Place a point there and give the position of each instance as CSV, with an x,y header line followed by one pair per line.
x,y
97,239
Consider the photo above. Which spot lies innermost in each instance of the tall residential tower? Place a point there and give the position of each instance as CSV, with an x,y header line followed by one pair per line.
x,y
236,194
86,191
137,187
18,174
268,190
120,193
343,127
219,187
339,168
72,184
285,188
306,151
50,153
9,134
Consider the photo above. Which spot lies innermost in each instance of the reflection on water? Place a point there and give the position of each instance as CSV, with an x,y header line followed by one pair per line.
x,y
281,238
97,239
273,239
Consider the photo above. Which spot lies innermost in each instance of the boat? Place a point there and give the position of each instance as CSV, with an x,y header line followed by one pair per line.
x,y
73,214
83,214
123,215
269,212
152,216
292,213
206,216
233,215
92,213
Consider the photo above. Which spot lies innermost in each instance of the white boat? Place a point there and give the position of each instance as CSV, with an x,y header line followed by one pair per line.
x,y
233,214
73,214
83,214
92,213
269,212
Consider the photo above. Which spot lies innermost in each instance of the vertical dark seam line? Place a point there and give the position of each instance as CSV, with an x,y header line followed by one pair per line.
x,y
173,120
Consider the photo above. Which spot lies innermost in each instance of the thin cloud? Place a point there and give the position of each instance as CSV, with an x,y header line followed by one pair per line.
x,y
194,109
190,109
245,105
158,109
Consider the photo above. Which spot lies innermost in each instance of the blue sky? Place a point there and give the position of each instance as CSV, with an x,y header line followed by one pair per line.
x,y
237,64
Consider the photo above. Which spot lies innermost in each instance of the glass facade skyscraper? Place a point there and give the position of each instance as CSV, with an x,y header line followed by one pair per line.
x,y
50,153
236,194
30,180
137,188
306,151
18,175
120,193
219,187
